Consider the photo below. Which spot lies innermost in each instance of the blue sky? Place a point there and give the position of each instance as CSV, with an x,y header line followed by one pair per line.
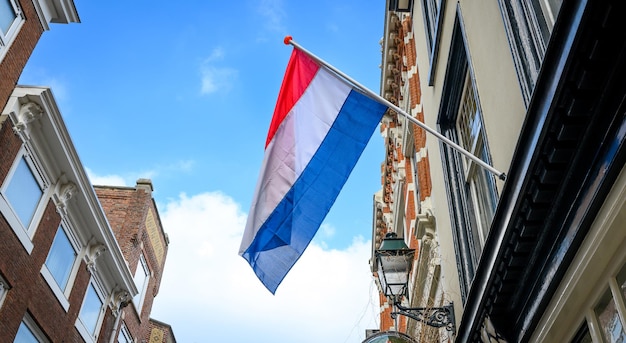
x,y
183,93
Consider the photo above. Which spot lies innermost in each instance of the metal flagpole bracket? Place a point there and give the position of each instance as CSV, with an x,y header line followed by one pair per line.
x,y
501,175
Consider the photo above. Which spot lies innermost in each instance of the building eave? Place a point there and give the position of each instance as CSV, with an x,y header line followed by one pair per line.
x,y
570,151
63,165
56,11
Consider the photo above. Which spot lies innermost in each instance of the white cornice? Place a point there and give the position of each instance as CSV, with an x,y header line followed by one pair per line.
x,y
55,150
56,11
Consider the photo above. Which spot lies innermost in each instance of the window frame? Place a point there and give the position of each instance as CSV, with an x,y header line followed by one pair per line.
x,y
139,298
32,327
432,11
124,332
23,233
80,324
481,183
4,290
7,38
63,294
613,290
583,334
466,240
528,38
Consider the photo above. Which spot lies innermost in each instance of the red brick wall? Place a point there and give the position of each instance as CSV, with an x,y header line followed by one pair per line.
x,y
18,53
126,209
423,166
122,216
386,322
408,56
9,146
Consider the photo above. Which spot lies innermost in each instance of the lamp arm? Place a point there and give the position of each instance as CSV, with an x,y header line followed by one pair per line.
x,y
438,317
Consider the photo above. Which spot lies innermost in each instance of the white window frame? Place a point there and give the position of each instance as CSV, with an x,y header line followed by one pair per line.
x,y
80,326
30,324
63,295
24,234
7,38
138,299
125,333
4,289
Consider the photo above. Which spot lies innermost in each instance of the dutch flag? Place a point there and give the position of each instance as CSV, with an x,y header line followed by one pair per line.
x,y
321,125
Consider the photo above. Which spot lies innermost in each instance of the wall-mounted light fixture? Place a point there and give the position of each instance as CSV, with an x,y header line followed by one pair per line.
x,y
394,260
400,5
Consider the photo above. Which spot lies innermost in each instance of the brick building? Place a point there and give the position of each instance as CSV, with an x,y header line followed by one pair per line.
x,y
21,25
536,89
134,218
77,264
403,205
161,332
65,274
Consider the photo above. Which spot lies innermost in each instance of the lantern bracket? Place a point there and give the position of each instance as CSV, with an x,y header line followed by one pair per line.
x,y
438,317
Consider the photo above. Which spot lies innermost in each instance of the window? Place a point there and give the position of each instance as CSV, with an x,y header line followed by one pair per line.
x,y
7,15
61,258
433,13
59,265
608,314
582,335
142,278
25,335
528,27
124,336
471,190
10,20
469,126
90,315
4,289
21,198
29,332
609,310
23,192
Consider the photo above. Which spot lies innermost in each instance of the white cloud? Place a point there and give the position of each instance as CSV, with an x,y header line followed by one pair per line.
x,y
130,178
215,78
329,295
106,180
326,231
216,55
273,13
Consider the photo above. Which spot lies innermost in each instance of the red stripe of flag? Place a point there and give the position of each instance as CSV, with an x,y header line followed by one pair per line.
x,y
300,71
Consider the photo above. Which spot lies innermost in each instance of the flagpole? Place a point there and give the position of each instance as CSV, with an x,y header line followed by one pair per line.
x,y
502,176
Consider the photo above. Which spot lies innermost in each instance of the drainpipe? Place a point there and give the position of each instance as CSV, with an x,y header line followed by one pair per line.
x,y
117,323
122,300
